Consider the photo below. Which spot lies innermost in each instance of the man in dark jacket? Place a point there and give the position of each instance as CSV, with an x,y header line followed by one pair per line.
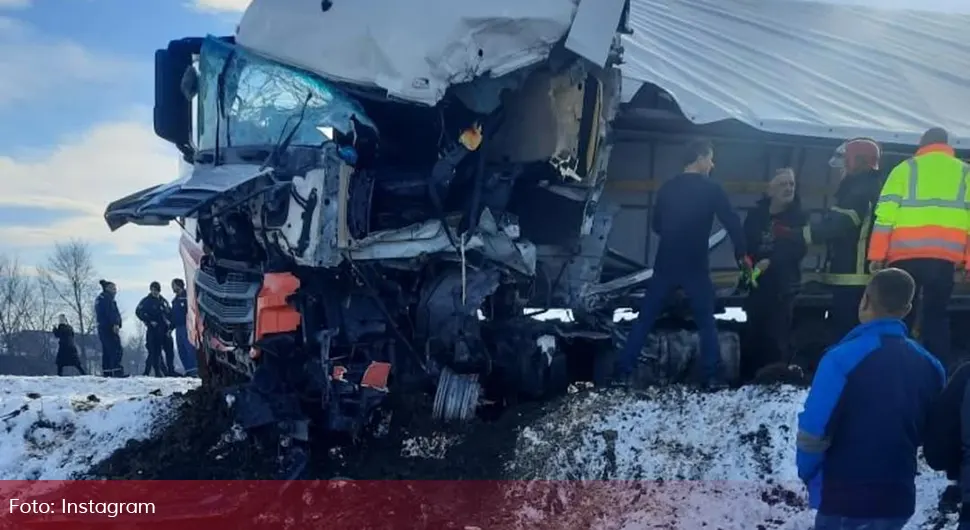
x,y
866,415
683,215
845,230
947,445
771,232
155,312
180,309
109,330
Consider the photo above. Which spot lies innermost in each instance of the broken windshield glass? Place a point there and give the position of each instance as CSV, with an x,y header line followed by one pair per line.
x,y
262,101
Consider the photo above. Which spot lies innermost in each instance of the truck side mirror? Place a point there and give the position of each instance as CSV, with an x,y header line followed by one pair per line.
x,y
173,111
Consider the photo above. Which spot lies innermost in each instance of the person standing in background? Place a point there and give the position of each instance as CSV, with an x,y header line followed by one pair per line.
x,y
683,216
772,236
66,348
922,226
109,330
180,309
845,229
947,445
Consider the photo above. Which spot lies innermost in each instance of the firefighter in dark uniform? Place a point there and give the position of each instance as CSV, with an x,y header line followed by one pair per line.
x,y
156,313
845,230
109,330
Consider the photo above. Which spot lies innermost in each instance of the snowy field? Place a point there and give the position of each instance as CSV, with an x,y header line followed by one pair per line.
x,y
668,459
727,460
55,427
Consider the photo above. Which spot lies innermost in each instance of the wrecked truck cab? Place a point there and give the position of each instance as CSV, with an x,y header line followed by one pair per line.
x,y
382,211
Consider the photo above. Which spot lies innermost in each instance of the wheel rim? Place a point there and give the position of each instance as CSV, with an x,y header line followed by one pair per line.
x,y
456,398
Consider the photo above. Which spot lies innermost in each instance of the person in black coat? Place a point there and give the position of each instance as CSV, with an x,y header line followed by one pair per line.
x,y
773,238
66,349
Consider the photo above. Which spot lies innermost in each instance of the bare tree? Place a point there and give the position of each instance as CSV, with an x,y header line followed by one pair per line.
x,y
72,279
135,352
44,313
16,301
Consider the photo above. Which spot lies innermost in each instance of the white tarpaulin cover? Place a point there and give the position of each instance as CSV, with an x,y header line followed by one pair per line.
x,y
413,49
807,68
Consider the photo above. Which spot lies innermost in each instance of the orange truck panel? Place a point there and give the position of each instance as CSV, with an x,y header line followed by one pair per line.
x,y
273,313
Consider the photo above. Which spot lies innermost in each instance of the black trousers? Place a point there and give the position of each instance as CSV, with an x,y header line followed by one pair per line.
x,y
768,330
155,343
68,357
929,321
111,353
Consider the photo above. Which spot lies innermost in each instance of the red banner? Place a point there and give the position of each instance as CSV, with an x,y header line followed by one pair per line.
x,y
335,504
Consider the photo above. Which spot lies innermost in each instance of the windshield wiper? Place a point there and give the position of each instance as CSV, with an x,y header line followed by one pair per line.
x,y
221,105
284,143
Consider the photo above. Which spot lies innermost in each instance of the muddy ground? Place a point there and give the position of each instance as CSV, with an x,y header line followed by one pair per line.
x,y
191,446
203,423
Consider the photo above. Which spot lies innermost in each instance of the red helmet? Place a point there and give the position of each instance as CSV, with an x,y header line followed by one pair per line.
x,y
857,154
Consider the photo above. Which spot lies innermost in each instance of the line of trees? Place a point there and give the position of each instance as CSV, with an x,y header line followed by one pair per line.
x,y
31,298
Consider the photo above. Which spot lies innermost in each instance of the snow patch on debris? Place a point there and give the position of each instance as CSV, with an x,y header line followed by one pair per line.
x,y
429,447
689,460
53,428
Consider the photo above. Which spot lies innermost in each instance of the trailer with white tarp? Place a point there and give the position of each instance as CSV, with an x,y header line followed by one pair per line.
x,y
779,83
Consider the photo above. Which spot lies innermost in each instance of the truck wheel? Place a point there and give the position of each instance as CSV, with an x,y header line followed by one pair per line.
x,y
456,397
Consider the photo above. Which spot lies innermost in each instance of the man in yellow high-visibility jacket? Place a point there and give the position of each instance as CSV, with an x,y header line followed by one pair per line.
x,y
922,226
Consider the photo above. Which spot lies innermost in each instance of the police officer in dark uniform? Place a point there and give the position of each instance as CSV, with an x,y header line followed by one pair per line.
x,y
845,229
155,312
180,309
109,330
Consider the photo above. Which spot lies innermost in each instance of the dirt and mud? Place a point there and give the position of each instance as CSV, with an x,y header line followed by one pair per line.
x,y
199,441
202,430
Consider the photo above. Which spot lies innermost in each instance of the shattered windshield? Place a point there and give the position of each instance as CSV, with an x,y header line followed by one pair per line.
x,y
262,101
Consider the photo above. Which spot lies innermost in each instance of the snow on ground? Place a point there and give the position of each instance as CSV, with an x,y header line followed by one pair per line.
x,y
726,460
56,427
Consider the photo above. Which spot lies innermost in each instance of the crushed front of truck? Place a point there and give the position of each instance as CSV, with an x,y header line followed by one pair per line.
x,y
342,243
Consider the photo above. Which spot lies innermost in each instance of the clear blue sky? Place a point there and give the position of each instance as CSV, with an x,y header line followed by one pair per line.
x,y
75,127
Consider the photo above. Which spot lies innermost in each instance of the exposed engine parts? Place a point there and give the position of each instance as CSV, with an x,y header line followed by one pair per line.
x,y
346,244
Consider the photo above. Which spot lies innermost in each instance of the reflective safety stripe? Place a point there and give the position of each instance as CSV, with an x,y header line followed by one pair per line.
x,y
895,199
936,227
912,201
811,443
926,243
850,213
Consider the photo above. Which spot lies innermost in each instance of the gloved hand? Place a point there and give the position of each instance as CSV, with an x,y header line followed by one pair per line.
x,y
748,278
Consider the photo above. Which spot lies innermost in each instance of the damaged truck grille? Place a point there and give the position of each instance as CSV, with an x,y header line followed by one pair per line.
x,y
230,305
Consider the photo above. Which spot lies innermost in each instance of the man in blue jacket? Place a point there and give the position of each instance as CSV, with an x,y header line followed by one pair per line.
x,y
683,216
866,415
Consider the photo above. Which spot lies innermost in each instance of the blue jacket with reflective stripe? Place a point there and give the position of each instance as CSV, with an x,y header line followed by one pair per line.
x,y
864,420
